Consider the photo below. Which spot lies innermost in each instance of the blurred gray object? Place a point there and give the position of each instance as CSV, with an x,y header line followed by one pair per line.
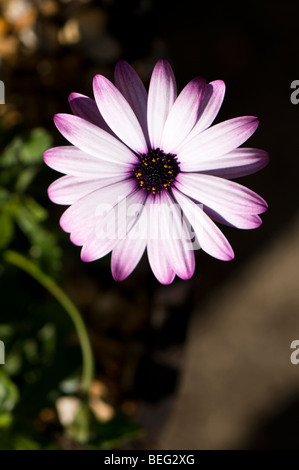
x,y
237,368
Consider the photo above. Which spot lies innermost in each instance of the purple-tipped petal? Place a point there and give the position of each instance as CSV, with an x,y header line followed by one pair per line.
x,y
218,193
157,246
233,219
235,164
210,238
112,226
129,84
159,263
211,103
93,140
215,141
96,249
183,115
118,114
177,238
82,217
73,161
128,252
161,96
68,189
87,109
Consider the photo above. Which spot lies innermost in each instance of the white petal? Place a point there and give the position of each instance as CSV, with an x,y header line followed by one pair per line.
x,y
218,193
161,96
68,189
215,141
87,109
73,161
183,115
174,231
128,252
209,107
157,246
93,140
118,114
233,219
210,238
132,88
113,225
235,164
83,216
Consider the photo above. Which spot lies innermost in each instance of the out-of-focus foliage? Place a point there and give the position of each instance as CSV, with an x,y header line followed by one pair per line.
x,y
20,163
9,396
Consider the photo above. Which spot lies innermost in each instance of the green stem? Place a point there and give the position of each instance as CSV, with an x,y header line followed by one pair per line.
x,y
21,262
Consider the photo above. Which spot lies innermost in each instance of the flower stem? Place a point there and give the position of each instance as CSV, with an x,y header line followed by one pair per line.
x,y
30,268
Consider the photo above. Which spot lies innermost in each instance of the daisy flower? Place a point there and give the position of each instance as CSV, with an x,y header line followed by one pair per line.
x,y
137,157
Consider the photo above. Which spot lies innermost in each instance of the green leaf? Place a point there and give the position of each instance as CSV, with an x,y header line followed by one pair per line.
x,y
7,230
25,177
25,443
30,213
13,206
38,212
14,360
6,420
9,394
10,155
81,428
6,331
36,144
4,196
26,149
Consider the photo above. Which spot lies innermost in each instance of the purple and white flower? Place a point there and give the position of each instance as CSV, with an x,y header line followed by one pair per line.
x,y
137,157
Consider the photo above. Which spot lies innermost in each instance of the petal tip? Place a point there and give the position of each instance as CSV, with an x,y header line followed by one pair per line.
x,y
84,256
186,276
72,96
50,193
62,222
59,119
46,156
255,120
227,256
264,207
118,276
162,64
122,64
100,80
267,158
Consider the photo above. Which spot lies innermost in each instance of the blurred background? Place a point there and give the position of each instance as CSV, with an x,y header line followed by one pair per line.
x,y
203,363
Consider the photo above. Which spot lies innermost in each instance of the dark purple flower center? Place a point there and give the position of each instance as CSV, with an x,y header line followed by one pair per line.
x,y
156,170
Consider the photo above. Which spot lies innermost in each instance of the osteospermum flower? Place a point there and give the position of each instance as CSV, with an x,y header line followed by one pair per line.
x,y
137,158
